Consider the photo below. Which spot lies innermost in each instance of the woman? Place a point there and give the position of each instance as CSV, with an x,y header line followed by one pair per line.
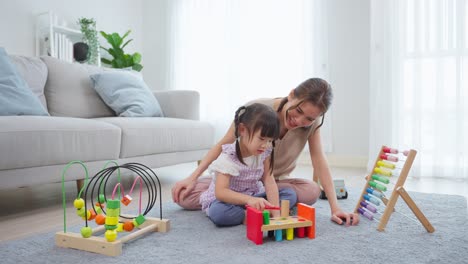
x,y
301,115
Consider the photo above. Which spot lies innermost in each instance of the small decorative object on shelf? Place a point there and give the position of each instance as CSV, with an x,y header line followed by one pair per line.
x,y
88,28
80,51
120,59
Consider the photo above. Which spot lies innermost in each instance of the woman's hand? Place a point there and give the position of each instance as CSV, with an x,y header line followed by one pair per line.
x,y
184,186
258,203
340,217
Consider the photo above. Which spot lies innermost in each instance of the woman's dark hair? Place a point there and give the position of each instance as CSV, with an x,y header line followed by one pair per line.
x,y
257,117
315,91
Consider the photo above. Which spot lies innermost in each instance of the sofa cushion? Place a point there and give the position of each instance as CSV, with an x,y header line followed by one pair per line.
x,y
16,98
69,90
30,141
126,93
153,135
34,72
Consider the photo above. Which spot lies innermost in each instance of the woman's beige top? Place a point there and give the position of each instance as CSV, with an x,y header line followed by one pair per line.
x,y
288,149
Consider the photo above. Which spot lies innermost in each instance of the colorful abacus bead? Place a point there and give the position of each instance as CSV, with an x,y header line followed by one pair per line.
x,y
389,157
365,213
390,150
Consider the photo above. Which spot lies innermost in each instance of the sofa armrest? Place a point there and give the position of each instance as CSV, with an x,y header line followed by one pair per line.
x,y
183,104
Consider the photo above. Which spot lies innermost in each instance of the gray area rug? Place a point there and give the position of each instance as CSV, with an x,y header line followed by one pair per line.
x,y
194,239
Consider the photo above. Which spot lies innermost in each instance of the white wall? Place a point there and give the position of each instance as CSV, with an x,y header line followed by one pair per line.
x,y
349,55
156,38
18,20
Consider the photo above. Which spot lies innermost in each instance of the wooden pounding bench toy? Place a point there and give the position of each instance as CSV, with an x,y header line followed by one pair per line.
x,y
259,222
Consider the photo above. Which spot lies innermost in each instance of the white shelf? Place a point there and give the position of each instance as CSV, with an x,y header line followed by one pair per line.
x,y
56,40
67,31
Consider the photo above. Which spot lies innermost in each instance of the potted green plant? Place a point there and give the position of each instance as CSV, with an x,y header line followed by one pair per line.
x,y
88,28
119,58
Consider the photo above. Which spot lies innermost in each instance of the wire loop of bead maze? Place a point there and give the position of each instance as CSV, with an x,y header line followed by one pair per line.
x,y
398,190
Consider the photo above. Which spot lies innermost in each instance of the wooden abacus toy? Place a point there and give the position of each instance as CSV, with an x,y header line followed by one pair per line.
x,y
110,219
259,222
374,190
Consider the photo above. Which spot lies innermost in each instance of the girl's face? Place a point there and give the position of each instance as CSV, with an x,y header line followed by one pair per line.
x,y
254,144
301,116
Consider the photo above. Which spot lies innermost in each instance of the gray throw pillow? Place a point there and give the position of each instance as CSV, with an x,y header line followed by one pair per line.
x,y
126,94
16,98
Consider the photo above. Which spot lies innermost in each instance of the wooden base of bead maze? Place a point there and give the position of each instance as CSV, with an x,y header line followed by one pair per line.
x,y
101,246
398,191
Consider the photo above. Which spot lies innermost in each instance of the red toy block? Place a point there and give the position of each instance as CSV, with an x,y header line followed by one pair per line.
x,y
254,225
307,212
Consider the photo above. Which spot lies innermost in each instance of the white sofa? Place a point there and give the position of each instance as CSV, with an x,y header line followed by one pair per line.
x,y
35,149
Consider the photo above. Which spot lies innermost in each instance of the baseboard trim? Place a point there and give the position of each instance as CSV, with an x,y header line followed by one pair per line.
x,y
336,160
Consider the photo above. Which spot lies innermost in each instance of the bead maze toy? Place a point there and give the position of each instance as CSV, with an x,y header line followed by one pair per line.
x,y
375,188
259,222
106,211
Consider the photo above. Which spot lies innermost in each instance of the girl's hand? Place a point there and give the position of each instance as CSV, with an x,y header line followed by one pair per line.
x,y
258,203
183,187
341,217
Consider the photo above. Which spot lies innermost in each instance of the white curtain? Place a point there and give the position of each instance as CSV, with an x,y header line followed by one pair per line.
x,y
419,83
234,51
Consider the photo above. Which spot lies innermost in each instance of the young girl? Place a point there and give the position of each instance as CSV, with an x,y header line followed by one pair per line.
x,y
242,172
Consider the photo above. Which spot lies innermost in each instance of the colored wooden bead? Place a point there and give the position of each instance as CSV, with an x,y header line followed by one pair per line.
x,y
110,227
86,231
100,219
113,204
88,215
80,212
98,208
113,212
91,214
126,200
112,220
78,203
110,235
119,227
102,198
140,220
128,226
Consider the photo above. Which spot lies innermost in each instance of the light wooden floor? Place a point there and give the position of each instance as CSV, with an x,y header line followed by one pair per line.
x,y
26,211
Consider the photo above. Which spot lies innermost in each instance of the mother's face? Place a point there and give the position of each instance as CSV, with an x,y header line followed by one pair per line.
x,y
302,115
